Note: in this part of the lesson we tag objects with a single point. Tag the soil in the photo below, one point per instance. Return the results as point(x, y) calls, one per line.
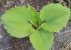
point(62, 39)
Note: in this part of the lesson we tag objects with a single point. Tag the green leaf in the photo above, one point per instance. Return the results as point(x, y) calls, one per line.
point(41, 40)
point(16, 22)
point(36, 19)
point(32, 9)
point(55, 17)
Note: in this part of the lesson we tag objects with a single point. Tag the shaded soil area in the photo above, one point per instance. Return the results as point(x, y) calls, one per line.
point(62, 39)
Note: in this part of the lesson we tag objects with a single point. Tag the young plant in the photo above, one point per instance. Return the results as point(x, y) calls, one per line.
point(39, 26)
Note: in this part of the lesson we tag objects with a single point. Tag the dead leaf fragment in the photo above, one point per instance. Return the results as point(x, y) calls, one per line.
point(22, 1)
point(0, 36)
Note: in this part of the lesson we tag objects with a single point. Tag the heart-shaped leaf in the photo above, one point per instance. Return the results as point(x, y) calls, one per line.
point(54, 17)
point(41, 40)
point(17, 21)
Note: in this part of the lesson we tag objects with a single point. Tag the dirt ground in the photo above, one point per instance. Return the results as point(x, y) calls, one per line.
point(62, 39)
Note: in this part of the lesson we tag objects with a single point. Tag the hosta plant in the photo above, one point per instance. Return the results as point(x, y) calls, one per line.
point(39, 26)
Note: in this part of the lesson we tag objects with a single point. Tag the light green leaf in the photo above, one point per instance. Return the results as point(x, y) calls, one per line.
point(32, 9)
point(36, 19)
point(16, 22)
point(55, 17)
point(41, 40)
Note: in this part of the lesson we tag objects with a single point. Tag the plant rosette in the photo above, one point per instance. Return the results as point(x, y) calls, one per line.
point(39, 26)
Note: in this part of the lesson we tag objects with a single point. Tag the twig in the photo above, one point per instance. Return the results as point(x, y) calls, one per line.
point(68, 46)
